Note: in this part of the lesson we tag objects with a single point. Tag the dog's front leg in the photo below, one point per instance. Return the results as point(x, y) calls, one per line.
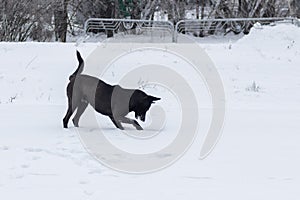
point(117, 123)
point(131, 121)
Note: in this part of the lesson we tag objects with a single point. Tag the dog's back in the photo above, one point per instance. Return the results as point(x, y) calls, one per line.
point(88, 88)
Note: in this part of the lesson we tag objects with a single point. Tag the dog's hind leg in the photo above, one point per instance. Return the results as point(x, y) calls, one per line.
point(81, 108)
point(72, 106)
point(68, 115)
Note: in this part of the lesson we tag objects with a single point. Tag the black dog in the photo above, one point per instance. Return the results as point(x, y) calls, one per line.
point(112, 101)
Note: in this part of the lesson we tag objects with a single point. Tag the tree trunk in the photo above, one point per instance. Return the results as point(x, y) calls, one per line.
point(149, 8)
point(197, 9)
point(61, 20)
point(181, 10)
point(110, 13)
point(202, 9)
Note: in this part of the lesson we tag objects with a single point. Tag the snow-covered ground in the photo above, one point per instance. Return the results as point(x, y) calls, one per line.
point(257, 157)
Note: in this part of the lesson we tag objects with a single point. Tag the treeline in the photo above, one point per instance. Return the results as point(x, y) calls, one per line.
point(43, 20)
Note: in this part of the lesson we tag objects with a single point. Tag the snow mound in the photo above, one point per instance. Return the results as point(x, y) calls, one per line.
point(281, 35)
point(272, 44)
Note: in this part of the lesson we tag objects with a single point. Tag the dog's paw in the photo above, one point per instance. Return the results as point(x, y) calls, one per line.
point(139, 128)
point(121, 128)
point(76, 124)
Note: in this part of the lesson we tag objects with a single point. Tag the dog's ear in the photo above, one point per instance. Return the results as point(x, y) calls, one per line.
point(153, 99)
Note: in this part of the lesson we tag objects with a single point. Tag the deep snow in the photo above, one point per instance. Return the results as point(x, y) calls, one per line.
point(256, 158)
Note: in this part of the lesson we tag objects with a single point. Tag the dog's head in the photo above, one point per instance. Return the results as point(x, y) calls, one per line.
point(141, 103)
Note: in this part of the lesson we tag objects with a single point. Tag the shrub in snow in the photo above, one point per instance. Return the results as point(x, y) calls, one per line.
point(253, 88)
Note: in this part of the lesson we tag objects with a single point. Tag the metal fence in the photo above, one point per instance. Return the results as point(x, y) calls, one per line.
point(200, 28)
point(207, 27)
point(126, 25)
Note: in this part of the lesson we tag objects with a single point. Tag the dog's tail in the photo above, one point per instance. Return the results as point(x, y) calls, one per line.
point(80, 67)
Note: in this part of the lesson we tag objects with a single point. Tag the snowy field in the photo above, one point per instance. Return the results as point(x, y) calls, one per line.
point(257, 157)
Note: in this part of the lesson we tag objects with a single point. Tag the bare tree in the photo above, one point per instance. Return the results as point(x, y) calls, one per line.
point(20, 19)
point(60, 8)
